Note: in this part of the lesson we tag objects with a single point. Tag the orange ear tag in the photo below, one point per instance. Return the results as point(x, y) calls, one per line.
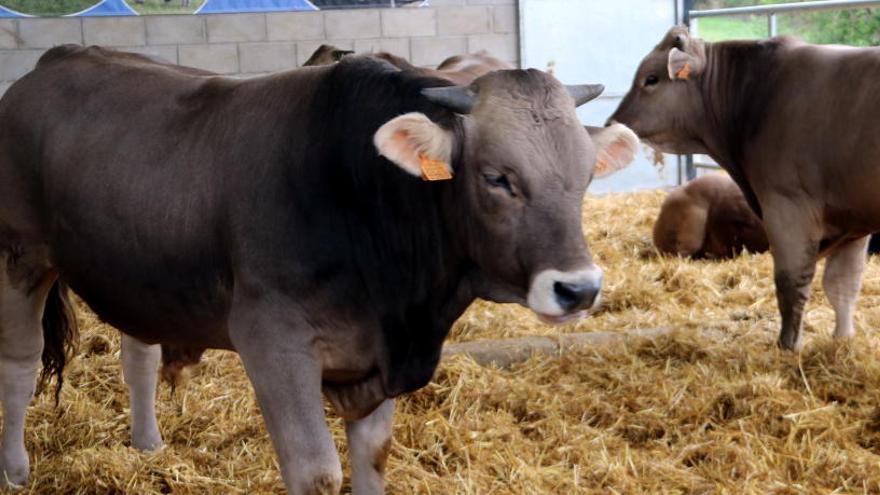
point(433, 169)
point(685, 71)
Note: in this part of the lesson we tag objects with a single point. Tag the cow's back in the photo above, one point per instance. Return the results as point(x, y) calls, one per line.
point(111, 158)
point(821, 132)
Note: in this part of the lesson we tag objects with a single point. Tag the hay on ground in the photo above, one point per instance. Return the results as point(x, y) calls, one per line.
point(711, 408)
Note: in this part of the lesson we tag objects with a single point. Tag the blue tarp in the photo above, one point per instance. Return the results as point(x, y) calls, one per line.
point(6, 13)
point(227, 6)
point(106, 8)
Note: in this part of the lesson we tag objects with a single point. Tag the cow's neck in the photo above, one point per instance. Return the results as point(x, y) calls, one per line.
point(384, 228)
point(737, 87)
point(417, 325)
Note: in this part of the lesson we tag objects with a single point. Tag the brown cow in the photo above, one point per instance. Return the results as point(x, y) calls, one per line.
point(462, 69)
point(459, 69)
point(284, 217)
point(708, 218)
point(796, 127)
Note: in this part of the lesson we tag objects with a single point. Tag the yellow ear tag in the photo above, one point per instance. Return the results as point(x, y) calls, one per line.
point(433, 169)
point(685, 71)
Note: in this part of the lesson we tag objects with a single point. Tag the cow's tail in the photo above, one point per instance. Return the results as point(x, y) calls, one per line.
point(59, 336)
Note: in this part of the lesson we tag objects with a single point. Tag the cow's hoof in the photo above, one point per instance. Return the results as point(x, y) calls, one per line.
point(327, 484)
point(844, 334)
point(14, 474)
point(789, 344)
point(323, 484)
point(147, 442)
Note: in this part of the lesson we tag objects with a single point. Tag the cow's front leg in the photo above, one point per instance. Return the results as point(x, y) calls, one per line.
point(794, 236)
point(369, 441)
point(284, 368)
point(140, 364)
point(842, 281)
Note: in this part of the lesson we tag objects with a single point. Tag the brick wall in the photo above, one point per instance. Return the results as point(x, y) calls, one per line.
point(258, 43)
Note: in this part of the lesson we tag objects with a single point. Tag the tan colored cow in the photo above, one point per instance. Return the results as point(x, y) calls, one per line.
point(796, 127)
point(708, 218)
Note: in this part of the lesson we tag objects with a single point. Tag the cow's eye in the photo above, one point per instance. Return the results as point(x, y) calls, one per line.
point(651, 80)
point(500, 181)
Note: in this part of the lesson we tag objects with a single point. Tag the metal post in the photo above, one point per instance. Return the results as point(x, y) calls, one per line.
point(689, 168)
point(693, 28)
point(771, 24)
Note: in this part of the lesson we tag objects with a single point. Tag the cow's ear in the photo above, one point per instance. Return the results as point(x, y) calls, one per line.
point(616, 147)
point(412, 140)
point(339, 54)
point(683, 65)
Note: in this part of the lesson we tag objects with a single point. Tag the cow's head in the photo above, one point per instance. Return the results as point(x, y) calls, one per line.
point(521, 166)
point(664, 106)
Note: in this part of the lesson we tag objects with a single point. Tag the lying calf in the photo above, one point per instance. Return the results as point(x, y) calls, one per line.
point(708, 218)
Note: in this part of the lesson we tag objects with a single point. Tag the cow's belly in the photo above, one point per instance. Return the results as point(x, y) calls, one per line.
point(194, 316)
point(148, 288)
point(144, 254)
point(852, 205)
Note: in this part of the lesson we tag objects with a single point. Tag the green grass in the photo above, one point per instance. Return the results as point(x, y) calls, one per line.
point(48, 7)
point(858, 27)
point(732, 28)
point(160, 7)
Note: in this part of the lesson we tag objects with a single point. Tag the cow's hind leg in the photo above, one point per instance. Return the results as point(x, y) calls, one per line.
point(369, 440)
point(140, 364)
point(25, 282)
point(842, 281)
point(794, 236)
point(279, 356)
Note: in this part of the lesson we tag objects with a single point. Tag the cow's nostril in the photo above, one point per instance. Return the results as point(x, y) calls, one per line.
point(570, 296)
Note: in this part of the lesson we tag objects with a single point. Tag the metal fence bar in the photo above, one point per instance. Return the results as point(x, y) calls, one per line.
point(770, 11)
point(785, 7)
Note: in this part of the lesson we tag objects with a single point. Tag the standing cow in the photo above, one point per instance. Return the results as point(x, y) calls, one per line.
point(282, 217)
point(796, 127)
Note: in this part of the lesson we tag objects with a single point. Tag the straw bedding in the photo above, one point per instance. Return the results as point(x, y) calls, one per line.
point(711, 408)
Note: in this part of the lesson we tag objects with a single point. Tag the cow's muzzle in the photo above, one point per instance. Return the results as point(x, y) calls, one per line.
point(557, 297)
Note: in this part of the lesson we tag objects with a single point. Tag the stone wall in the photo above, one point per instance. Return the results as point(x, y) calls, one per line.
point(246, 44)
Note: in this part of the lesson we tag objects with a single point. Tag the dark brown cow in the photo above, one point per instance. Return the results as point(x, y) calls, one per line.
point(796, 127)
point(708, 218)
point(283, 217)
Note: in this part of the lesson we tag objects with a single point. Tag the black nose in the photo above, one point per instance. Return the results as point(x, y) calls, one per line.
point(572, 296)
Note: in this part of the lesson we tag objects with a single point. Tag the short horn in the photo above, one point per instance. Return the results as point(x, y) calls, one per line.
point(459, 99)
point(583, 93)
